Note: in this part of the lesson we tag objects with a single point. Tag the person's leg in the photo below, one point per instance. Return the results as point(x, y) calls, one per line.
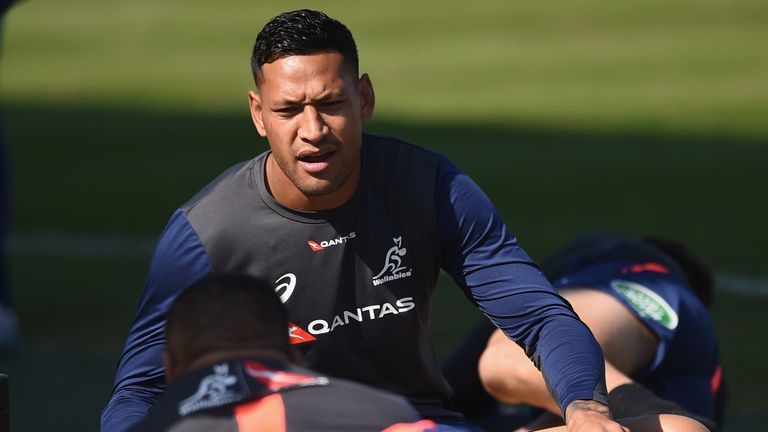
point(629, 345)
point(510, 376)
point(654, 423)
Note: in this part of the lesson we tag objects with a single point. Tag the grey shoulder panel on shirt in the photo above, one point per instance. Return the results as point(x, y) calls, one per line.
point(223, 180)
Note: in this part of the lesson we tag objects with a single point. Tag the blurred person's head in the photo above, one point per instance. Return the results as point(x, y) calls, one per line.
point(592, 247)
point(310, 104)
point(698, 272)
point(224, 316)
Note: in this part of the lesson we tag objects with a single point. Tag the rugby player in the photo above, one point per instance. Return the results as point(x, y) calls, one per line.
point(646, 302)
point(390, 215)
point(229, 367)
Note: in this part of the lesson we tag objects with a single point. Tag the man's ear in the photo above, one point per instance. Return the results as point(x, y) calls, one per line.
point(254, 102)
point(367, 97)
point(170, 372)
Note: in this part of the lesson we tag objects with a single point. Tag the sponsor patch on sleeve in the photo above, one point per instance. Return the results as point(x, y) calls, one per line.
point(647, 303)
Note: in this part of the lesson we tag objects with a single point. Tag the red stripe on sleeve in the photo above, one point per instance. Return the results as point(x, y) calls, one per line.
point(717, 379)
point(421, 426)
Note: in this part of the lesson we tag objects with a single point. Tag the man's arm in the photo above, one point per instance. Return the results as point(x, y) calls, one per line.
point(179, 260)
point(508, 287)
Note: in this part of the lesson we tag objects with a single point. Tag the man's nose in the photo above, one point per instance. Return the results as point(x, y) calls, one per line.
point(313, 127)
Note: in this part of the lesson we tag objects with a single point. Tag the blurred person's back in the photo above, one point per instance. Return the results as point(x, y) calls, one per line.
point(230, 368)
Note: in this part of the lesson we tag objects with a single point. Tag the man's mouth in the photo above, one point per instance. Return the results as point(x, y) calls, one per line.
point(315, 161)
point(316, 157)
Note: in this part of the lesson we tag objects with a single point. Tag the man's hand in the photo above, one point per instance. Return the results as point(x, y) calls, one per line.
point(590, 416)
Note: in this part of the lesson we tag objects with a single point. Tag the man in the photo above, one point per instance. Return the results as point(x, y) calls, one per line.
point(646, 302)
point(229, 369)
point(353, 230)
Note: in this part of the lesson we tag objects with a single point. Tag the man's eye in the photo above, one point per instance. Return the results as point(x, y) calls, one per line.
point(331, 104)
point(287, 110)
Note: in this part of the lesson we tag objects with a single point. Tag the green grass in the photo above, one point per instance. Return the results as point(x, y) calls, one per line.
point(77, 303)
point(739, 324)
point(572, 116)
point(682, 67)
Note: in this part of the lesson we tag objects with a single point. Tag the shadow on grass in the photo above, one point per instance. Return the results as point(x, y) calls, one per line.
point(91, 171)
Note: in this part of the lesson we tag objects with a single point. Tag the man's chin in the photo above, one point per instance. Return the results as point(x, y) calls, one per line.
point(318, 188)
point(325, 186)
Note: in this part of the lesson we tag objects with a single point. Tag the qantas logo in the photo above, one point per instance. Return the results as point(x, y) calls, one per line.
point(296, 335)
point(314, 245)
point(393, 264)
point(317, 247)
point(371, 312)
point(285, 289)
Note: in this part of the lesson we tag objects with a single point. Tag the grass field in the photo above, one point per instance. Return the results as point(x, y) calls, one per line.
point(573, 116)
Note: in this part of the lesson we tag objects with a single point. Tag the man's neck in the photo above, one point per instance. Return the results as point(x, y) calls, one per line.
point(287, 194)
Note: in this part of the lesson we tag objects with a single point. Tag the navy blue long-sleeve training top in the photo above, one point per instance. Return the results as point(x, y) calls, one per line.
point(357, 280)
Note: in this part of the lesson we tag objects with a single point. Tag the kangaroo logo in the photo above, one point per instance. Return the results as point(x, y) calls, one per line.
point(214, 390)
point(393, 264)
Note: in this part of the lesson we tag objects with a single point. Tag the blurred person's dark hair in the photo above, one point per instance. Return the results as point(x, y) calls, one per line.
point(302, 32)
point(225, 312)
point(698, 272)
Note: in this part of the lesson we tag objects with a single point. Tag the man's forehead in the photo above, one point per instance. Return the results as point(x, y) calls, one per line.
point(304, 72)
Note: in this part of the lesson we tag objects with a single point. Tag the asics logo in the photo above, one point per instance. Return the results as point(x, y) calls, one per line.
point(285, 289)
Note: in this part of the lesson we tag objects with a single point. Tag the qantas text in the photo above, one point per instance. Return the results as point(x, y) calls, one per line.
point(361, 314)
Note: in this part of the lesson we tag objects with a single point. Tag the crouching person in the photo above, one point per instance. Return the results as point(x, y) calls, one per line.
point(230, 368)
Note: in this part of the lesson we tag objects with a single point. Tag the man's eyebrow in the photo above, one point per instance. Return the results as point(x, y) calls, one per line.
point(331, 95)
point(288, 101)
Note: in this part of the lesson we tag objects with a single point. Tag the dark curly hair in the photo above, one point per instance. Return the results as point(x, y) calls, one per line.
point(225, 312)
point(302, 32)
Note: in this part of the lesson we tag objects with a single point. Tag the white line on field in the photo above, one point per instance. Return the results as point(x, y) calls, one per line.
point(139, 247)
point(747, 286)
